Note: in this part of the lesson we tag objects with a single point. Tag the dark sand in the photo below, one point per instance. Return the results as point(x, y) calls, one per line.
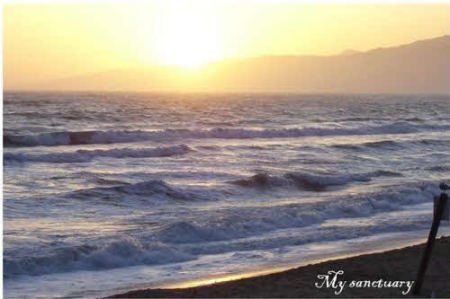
point(399, 264)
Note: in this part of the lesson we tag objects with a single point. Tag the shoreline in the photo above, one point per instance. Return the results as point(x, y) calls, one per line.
point(392, 265)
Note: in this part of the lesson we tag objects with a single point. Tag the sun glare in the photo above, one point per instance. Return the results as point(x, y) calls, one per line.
point(187, 40)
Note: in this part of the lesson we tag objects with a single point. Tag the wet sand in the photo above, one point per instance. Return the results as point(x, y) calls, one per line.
point(395, 265)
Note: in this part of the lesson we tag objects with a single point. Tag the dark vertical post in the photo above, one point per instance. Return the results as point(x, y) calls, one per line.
point(431, 237)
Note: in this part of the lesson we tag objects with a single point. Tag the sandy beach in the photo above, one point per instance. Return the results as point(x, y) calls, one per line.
point(390, 266)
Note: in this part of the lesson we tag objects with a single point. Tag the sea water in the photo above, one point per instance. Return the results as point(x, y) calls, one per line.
point(108, 192)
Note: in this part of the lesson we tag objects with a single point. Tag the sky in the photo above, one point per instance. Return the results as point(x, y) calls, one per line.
point(50, 41)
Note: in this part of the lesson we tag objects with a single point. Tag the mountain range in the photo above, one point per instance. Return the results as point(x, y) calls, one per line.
point(419, 67)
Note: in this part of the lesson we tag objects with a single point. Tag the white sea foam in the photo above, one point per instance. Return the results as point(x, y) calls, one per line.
point(237, 229)
point(124, 252)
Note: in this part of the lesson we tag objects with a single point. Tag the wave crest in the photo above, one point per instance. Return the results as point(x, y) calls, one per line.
point(309, 182)
point(153, 189)
point(107, 137)
point(121, 253)
point(88, 155)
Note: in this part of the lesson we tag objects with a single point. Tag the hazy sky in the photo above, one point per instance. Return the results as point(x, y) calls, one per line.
point(47, 41)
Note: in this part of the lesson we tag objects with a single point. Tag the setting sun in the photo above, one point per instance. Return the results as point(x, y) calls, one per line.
point(173, 37)
point(186, 39)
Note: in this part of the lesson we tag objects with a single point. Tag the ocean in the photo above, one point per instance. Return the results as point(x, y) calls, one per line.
point(108, 192)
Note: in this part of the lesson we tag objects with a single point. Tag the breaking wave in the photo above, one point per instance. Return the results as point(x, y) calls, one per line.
point(245, 222)
point(121, 253)
point(309, 182)
point(392, 144)
point(153, 189)
point(88, 155)
point(238, 229)
point(107, 137)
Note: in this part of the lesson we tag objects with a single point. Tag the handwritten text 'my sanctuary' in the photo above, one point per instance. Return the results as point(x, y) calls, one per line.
point(333, 281)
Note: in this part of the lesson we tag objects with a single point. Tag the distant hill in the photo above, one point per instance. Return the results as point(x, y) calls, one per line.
point(419, 67)
point(349, 52)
